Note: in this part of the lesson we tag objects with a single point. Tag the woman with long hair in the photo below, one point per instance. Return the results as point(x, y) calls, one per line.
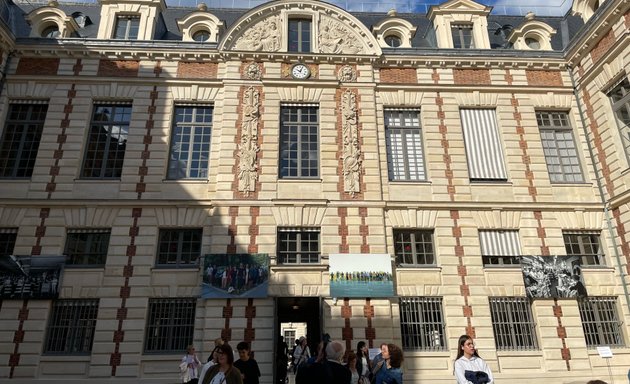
point(390, 371)
point(469, 367)
point(224, 372)
point(352, 366)
point(363, 363)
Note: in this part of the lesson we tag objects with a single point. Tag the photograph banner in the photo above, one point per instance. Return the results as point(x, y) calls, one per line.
point(361, 275)
point(242, 275)
point(548, 277)
point(30, 277)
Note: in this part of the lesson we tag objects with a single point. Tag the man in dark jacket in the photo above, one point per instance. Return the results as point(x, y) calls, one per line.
point(329, 371)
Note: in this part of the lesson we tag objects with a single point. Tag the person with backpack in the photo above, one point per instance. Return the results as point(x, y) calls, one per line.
point(301, 353)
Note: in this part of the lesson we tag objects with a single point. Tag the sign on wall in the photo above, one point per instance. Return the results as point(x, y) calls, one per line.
point(548, 277)
point(361, 275)
point(235, 276)
point(30, 277)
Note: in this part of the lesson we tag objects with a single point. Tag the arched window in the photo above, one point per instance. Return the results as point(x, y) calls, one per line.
point(201, 36)
point(51, 32)
point(393, 41)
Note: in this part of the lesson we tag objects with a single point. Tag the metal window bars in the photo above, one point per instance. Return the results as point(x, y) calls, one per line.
point(170, 324)
point(513, 324)
point(600, 321)
point(71, 327)
point(422, 323)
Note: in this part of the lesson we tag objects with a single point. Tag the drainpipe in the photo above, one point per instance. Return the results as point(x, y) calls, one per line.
point(607, 215)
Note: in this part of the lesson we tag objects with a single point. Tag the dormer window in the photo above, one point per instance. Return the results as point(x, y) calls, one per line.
point(393, 41)
point(461, 24)
point(127, 27)
point(462, 35)
point(532, 43)
point(585, 8)
point(201, 36)
point(393, 31)
point(51, 32)
point(51, 22)
point(299, 35)
point(532, 34)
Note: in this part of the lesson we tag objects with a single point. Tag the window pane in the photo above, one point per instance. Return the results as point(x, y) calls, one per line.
point(71, 327)
point(20, 139)
point(586, 245)
point(414, 247)
point(405, 155)
point(559, 147)
point(620, 98)
point(500, 247)
point(422, 323)
point(179, 247)
point(87, 247)
point(170, 325)
point(298, 245)
point(299, 142)
point(190, 143)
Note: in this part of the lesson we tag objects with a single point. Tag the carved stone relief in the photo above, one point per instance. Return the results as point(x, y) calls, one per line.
point(351, 152)
point(253, 72)
point(248, 149)
point(264, 36)
point(335, 37)
point(347, 74)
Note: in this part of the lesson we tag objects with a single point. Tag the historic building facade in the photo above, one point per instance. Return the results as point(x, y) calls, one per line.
point(137, 138)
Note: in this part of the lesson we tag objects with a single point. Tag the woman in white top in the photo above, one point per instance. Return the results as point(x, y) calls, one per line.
point(190, 366)
point(301, 352)
point(468, 360)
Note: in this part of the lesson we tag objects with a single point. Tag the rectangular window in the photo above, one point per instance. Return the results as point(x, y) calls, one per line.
point(299, 35)
point(179, 247)
point(462, 36)
point(298, 245)
point(513, 324)
point(422, 323)
point(414, 247)
point(620, 98)
point(107, 141)
point(561, 155)
point(500, 247)
point(71, 327)
point(600, 321)
point(87, 247)
point(190, 143)
point(299, 142)
point(127, 27)
point(20, 139)
point(405, 156)
point(170, 325)
point(7, 241)
point(484, 150)
point(584, 244)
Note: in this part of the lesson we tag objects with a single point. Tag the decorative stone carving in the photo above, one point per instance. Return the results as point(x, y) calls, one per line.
point(347, 74)
point(337, 38)
point(263, 36)
point(351, 152)
point(248, 149)
point(253, 72)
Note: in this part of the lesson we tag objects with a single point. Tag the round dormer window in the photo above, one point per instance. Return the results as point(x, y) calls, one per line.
point(201, 36)
point(532, 43)
point(393, 41)
point(51, 32)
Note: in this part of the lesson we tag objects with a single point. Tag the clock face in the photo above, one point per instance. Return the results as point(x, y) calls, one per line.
point(300, 71)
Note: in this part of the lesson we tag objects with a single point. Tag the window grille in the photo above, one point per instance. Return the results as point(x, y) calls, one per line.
point(298, 245)
point(87, 246)
point(405, 155)
point(170, 325)
point(620, 99)
point(513, 324)
point(414, 247)
point(600, 321)
point(20, 139)
point(299, 35)
point(500, 248)
point(299, 142)
point(179, 247)
point(462, 36)
point(558, 144)
point(587, 245)
point(71, 327)
point(484, 149)
point(127, 27)
point(190, 142)
point(7, 240)
point(422, 323)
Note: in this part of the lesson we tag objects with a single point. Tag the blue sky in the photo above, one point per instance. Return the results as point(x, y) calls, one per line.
point(501, 7)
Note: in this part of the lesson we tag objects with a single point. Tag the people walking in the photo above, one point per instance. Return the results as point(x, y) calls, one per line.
point(301, 353)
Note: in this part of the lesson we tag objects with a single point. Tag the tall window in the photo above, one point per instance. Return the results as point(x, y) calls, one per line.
point(299, 142)
point(127, 27)
point(298, 245)
point(405, 156)
point(563, 164)
point(513, 324)
point(500, 247)
point(422, 323)
point(587, 245)
point(87, 247)
point(462, 35)
point(190, 142)
point(20, 139)
point(299, 35)
point(484, 150)
point(600, 321)
point(71, 327)
point(414, 247)
point(179, 247)
point(170, 325)
point(107, 141)
point(620, 98)
point(7, 240)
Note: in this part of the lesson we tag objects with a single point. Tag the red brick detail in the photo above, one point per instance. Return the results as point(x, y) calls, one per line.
point(435, 76)
point(370, 332)
point(40, 231)
point(522, 143)
point(603, 46)
point(462, 270)
point(76, 69)
point(228, 312)
point(141, 186)
point(468, 312)
point(542, 234)
point(448, 172)
point(237, 139)
point(254, 230)
point(399, 75)
point(471, 77)
point(342, 212)
point(621, 232)
point(18, 338)
point(562, 334)
point(346, 332)
point(118, 68)
point(364, 230)
point(508, 77)
point(250, 315)
point(119, 336)
point(193, 70)
point(464, 289)
point(544, 78)
point(285, 70)
point(627, 17)
point(37, 66)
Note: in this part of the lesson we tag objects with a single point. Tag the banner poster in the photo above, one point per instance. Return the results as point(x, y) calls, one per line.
point(548, 277)
point(30, 277)
point(361, 275)
point(244, 275)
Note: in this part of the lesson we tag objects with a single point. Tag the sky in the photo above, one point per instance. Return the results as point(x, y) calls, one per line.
point(500, 7)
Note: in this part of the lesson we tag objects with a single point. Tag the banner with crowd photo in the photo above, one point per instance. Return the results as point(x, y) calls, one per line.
point(244, 275)
point(557, 277)
point(30, 277)
point(361, 275)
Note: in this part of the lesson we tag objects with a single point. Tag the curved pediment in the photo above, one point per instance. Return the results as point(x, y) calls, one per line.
point(331, 29)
